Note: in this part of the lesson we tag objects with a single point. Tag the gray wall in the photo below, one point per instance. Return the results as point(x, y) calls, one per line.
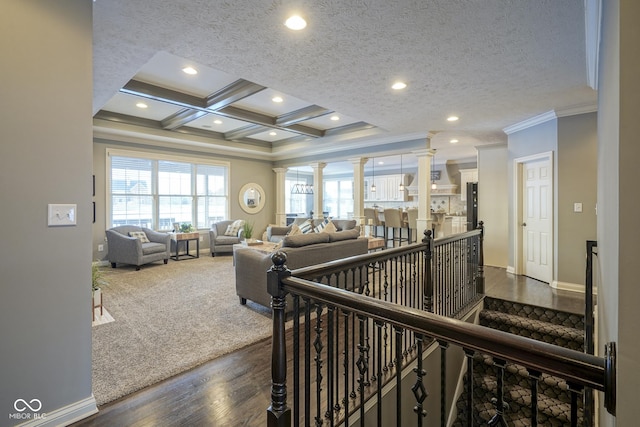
point(45, 157)
point(493, 207)
point(577, 183)
point(242, 171)
point(618, 203)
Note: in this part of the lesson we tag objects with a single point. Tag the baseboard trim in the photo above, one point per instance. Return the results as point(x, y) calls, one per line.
point(572, 287)
point(66, 415)
point(511, 270)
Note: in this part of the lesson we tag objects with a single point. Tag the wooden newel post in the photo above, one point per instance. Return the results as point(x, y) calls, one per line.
point(427, 289)
point(480, 277)
point(278, 413)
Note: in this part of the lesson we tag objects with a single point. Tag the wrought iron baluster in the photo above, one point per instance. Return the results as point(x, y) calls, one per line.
point(330, 369)
point(318, 346)
point(399, 333)
point(535, 379)
point(363, 365)
point(469, 356)
point(346, 367)
point(443, 382)
point(307, 360)
point(418, 389)
point(498, 418)
point(574, 390)
point(379, 326)
point(296, 360)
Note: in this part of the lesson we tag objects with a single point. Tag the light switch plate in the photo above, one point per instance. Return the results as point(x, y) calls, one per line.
point(60, 215)
point(577, 207)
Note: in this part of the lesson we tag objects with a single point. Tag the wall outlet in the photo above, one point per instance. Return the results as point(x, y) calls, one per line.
point(100, 248)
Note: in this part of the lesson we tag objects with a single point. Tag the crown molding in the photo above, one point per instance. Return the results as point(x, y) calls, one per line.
point(551, 115)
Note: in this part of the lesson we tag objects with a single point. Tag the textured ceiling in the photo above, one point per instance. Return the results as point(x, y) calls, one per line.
point(493, 63)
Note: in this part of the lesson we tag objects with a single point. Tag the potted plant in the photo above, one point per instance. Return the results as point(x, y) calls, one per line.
point(97, 281)
point(247, 230)
point(185, 227)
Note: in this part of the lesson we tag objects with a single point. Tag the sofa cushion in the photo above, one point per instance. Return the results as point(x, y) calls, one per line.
point(330, 228)
point(321, 225)
point(304, 240)
point(343, 235)
point(234, 227)
point(141, 235)
point(295, 230)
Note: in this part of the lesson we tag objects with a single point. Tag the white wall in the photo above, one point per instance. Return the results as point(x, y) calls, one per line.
point(45, 157)
point(493, 207)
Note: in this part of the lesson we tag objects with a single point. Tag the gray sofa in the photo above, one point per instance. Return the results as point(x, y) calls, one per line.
point(130, 250)
point(276, 233)
point(302, 250)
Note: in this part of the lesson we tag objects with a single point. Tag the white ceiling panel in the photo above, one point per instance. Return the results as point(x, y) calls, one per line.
point(124, 103)
point(262, 102)
point(209, 122)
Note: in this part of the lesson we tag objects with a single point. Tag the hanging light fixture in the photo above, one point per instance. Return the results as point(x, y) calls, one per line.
point(433, 165)
point(373, 186)
point(401, 187)
point(299, 188)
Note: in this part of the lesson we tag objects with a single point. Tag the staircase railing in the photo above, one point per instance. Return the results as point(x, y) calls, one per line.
point(362, 320)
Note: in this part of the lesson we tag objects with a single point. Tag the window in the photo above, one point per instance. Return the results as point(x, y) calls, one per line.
point(155, 192)
point(338, 198)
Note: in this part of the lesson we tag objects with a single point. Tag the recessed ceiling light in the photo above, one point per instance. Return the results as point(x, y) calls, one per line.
point(381, 162)
point(335, 118)
point(272, 133)
point(141, 105)
point(453, 141)
point(277, 99)
point(453, 118)
point(217, 122)
point(398, 85)
point(190, 70)
point(295, 22)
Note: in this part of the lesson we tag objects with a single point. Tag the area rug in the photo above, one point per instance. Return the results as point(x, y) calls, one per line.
point(168, 319)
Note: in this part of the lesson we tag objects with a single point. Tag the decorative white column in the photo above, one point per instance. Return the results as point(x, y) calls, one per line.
point(358, 189)
point(318, 199)
point(424, 189)
point(281, 215)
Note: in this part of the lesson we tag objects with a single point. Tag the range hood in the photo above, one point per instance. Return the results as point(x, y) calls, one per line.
point(444, 185)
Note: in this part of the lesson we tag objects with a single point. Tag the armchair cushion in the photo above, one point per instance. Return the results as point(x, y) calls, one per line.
point(139, 235)
point(219, 240)
point(234, 227)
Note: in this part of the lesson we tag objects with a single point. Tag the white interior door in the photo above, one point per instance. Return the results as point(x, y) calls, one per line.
point(537, 219)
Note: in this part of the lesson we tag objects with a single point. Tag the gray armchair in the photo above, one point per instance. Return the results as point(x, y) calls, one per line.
point(130, 250)
point(221, 243)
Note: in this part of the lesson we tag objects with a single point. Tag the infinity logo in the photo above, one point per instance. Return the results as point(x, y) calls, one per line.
point(21, 405)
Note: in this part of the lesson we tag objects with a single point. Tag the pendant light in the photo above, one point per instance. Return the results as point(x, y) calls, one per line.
point(373, 186)
point(301, 188)
point(433, 165)
point(401, 187)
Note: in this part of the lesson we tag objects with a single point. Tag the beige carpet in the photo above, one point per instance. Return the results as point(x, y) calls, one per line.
point(168, 319)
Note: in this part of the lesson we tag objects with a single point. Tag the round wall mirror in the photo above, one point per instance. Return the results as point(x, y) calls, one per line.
point(251, 198)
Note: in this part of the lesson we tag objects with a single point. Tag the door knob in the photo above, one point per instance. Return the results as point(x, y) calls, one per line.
point(524, 224)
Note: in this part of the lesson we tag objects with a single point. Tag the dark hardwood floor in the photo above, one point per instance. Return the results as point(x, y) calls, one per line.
point(234, 390)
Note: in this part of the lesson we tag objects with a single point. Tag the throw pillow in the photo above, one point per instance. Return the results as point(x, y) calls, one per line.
point(295, 230)
point(307, 227)
point(232, 230)
point(321, 226)
point(330, 228)
point(141, 235)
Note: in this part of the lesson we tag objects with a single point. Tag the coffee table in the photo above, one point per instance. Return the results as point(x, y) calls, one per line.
point(264, 247)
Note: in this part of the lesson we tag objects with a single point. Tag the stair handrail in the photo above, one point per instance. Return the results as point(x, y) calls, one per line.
point(576, 367)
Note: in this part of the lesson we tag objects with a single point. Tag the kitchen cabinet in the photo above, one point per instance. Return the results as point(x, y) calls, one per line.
point(387, 189)
point(458, 224)
point(467, 175)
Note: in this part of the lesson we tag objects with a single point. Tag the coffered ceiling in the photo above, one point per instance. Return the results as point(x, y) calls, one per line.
point(492, 63)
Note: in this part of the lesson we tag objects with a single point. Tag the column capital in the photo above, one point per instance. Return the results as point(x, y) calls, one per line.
point(280, 170)
point(359, 161)
point(318, 165)
point(426, 152)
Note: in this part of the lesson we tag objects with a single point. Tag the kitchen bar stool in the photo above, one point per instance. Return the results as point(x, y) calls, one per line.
point(394, 225)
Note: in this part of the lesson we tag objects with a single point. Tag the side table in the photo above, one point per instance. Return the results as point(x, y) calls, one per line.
point(176, 238)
